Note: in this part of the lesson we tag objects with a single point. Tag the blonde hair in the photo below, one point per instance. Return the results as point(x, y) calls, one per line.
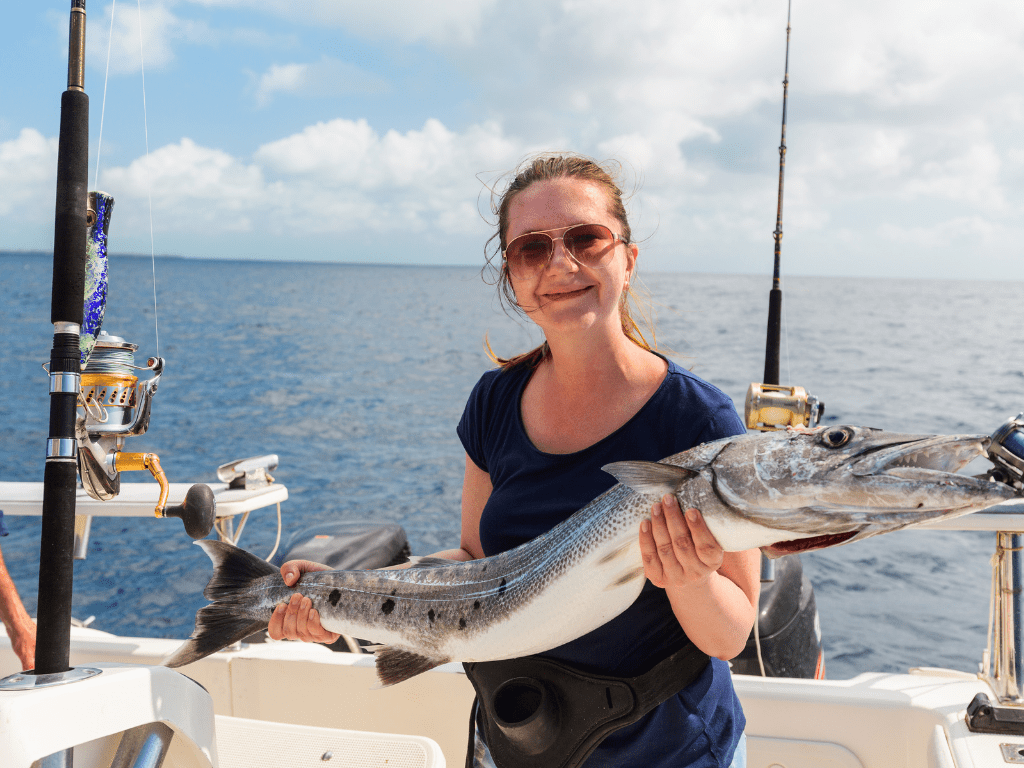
point(546, 167)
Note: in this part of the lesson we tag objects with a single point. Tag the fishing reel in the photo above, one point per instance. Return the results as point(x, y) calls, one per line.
point(771, 407)
point(114, 405)
point(1006, 452)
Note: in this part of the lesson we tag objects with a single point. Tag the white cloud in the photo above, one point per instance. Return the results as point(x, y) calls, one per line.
point(28, 176)
point(331, 178)
point(158, 28)
point(326, 78)
point(902, 120)
point(424, 178)
point(192, 184)
point(973, 228)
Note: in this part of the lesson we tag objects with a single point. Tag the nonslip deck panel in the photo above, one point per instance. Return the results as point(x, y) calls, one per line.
point(243, 743)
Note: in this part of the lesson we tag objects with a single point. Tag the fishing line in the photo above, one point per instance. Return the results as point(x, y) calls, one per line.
point(785, 334)
point(103, 106)
point(757, 643)
point(149, 184)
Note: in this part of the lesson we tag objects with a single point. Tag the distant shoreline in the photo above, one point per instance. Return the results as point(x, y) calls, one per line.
point(4, 253)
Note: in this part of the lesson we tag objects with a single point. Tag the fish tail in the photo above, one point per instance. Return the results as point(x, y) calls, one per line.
point(227, 619)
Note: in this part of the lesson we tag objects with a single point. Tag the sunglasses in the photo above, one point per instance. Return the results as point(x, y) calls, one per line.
point(588, 245)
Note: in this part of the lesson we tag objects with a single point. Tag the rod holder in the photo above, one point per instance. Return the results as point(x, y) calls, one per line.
point(1006, 675)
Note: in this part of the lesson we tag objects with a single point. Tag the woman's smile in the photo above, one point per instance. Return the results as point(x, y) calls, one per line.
point(571, 293)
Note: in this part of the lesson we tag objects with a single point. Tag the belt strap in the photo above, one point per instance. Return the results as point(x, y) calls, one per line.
point(537, 712)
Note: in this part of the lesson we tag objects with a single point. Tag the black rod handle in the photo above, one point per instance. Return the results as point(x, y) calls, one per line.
point(69, 227)
point(771, 355)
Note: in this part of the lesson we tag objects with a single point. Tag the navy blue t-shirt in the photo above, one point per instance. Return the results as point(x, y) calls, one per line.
point(534, 491)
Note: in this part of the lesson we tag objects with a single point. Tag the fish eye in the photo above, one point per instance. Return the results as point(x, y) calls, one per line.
point(836, 438)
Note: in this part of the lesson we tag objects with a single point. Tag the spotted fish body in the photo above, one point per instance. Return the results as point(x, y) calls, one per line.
point(782, 492)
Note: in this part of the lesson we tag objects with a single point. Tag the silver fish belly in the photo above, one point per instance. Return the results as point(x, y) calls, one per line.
point(782, 492)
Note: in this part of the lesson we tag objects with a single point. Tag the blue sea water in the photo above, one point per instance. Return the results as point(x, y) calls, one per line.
point(357, 375)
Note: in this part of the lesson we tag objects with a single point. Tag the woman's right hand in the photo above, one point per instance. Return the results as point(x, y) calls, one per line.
point(297, 619)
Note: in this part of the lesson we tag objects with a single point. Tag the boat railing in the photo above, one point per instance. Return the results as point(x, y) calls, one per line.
point(1003, 662)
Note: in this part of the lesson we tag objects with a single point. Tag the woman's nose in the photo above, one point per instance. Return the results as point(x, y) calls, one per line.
point(561, 260)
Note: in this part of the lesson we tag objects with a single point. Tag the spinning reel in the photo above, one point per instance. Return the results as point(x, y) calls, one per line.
point(114, 405)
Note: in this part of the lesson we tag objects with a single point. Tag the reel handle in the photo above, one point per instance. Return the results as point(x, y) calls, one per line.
point(197, 512)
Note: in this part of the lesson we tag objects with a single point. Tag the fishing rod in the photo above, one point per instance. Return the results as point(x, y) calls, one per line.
point(53, 636)
point(92, 370)
point(770, 406)
point(771, 355)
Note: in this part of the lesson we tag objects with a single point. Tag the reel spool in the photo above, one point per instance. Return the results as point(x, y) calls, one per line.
point(770, 407)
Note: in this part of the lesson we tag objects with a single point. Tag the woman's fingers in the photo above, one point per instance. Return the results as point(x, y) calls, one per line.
point(673, 538)
point(705, 544)
point(297, 619)
point(649, 552)
point(292, 571)
point(677, 548)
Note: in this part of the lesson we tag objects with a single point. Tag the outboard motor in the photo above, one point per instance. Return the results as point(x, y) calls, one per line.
point(788, 627)
point(347, 545)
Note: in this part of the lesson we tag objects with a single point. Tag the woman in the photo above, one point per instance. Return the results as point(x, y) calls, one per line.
point(537, 432)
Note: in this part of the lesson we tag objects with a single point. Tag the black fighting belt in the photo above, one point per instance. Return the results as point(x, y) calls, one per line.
point(546, 714)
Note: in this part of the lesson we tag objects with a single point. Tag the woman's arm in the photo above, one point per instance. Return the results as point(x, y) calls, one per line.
point(20, 628)
point(297, 620)
point(714, 594)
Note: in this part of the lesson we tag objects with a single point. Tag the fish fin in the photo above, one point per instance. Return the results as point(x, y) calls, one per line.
point(217, 627)
point(223, 621)
point(395, 665)
point(649, 478)
point(431, 562)
point(233, 569)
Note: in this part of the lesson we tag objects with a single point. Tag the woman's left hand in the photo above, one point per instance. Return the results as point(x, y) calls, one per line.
point(298, 619)
point(678, 550)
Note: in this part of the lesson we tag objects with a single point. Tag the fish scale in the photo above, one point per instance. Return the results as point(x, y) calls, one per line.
point(783, 492)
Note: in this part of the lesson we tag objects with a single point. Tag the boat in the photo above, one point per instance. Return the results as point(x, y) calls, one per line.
point(250, 704)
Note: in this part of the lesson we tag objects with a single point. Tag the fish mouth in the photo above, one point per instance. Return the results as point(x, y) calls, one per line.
point(918, 475)
point(921, 458)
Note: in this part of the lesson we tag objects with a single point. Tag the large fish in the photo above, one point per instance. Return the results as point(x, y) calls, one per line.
point(782, 491)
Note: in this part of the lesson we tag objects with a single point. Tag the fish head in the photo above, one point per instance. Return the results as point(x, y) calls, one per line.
point(845, 482)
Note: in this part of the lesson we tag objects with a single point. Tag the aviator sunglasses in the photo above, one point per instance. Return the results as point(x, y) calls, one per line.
point(588, 245)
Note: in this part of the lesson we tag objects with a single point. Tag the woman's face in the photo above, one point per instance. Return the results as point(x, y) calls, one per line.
point(565, 295)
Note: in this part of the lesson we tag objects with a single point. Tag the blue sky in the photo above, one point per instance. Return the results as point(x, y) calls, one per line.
point(371, 132)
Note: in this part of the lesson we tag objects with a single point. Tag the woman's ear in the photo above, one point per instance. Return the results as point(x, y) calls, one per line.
point(632, 252)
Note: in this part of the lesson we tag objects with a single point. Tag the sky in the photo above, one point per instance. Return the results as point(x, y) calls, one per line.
point(330, 130)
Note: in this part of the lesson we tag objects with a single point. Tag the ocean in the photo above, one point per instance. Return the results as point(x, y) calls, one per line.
point(356, 375)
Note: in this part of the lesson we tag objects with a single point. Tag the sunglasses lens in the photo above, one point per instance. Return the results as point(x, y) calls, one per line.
point(588, 243)
point(528, 253)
